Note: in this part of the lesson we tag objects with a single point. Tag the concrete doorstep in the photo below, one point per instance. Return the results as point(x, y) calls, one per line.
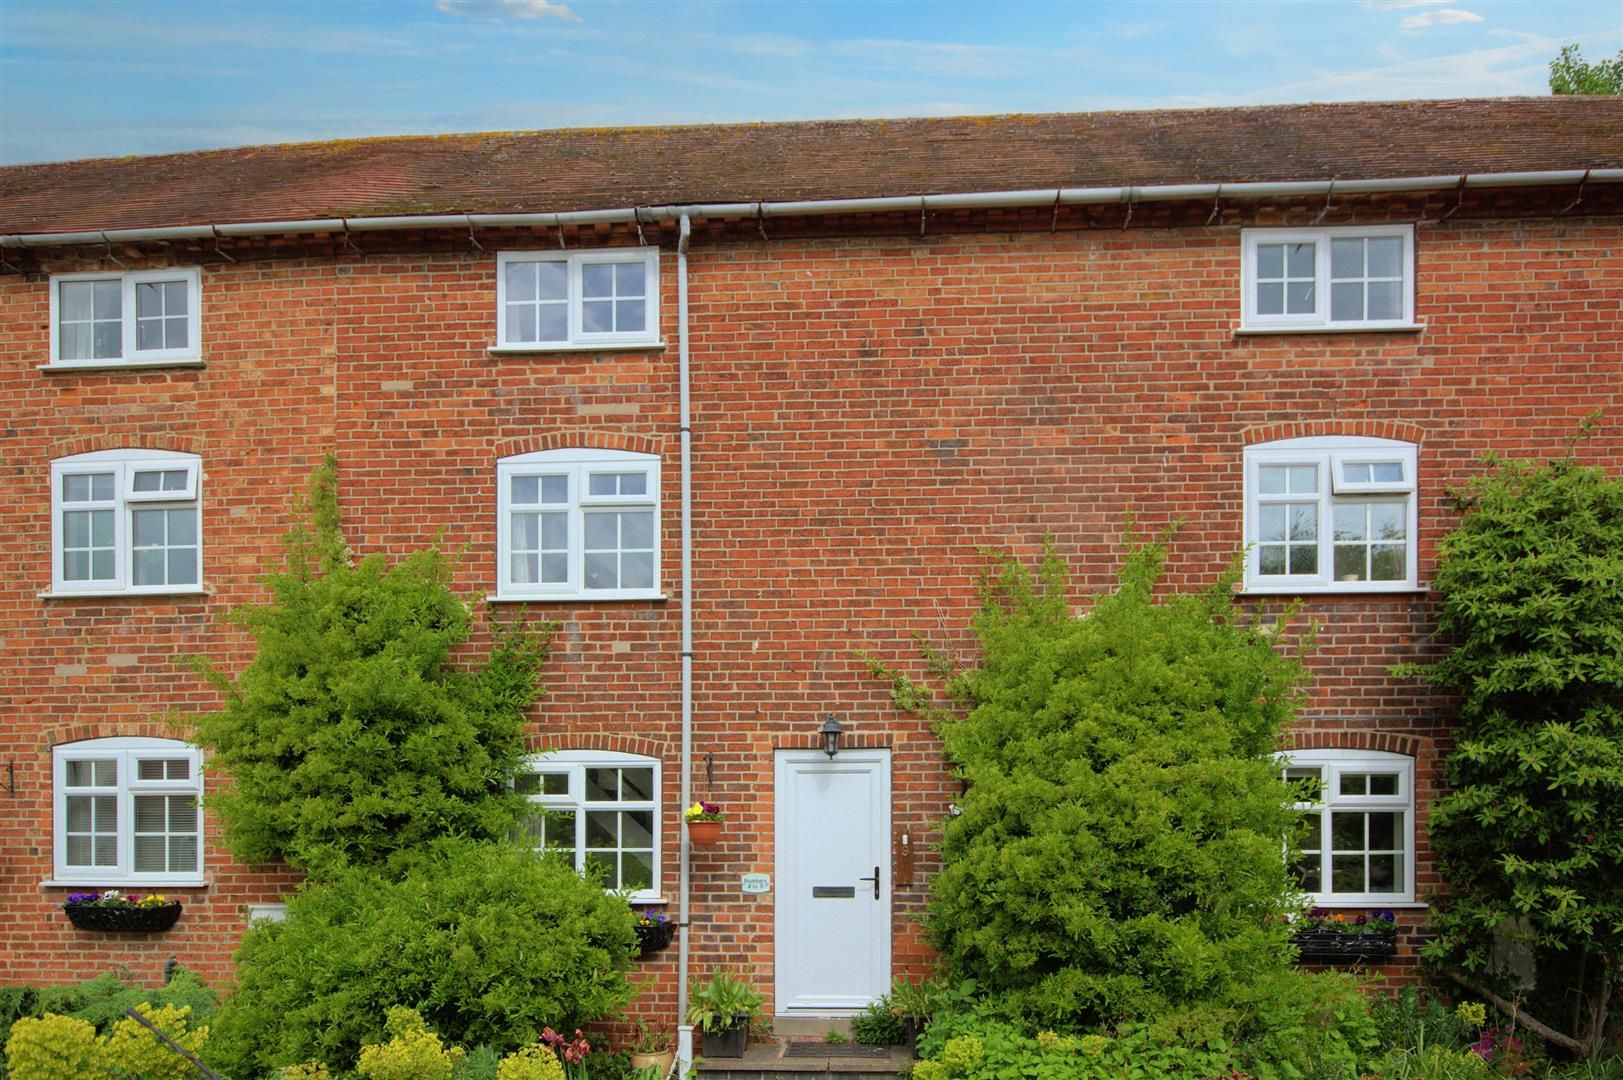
point(793, 1059)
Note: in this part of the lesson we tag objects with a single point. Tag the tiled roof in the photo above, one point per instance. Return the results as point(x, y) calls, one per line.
point(585, 169)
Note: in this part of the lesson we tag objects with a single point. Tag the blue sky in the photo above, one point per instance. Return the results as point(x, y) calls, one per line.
point(85, 78)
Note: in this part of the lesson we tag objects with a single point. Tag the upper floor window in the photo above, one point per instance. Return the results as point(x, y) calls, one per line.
point(126, 521)
point(600, 810)
point(554, 300)
point(578, 524)
point(1356, 844)
point(1333, 514)
point(1328, 279)
point(126, 812)
point(146, 316)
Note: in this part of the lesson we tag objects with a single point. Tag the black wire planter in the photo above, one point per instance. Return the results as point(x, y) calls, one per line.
point(1335, 947)
point(653, 938)
point(153, 919)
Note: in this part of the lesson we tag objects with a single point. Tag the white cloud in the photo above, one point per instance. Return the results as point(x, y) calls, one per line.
point(1441, 17)
point(501, 9)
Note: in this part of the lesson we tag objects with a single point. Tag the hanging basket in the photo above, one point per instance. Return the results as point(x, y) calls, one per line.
point(704, 833)
point(1333, 947)
point(653, 938)
point(123, 920)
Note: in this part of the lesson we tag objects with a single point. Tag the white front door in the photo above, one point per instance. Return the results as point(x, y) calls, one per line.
point(833, 881)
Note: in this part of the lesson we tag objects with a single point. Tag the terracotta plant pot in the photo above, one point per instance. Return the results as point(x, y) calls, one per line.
point(704, 833)
point(662, 1061)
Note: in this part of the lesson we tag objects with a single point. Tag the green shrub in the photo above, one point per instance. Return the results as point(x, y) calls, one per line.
point(106, 999)
point(488, 942)
point(979, 1047)
point(1412, 1020)
point(353, 737)
point(531, 1063)
point(412, 1052)
point(1118, 851)
point(480, 1064)
point(876, 1025)
point(1295, 1025)
point(307, 1070)
point(53, 1047)
point(131, 1050)
point(16, 1002)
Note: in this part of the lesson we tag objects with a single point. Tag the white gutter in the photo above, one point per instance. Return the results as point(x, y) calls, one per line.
point(973, 200)
point(684, 1030)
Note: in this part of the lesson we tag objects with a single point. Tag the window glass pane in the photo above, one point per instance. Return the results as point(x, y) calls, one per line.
point(1383, 873)
point(1347, 873)
point(554, 532)
point(1304, 559)
point(602, 785)
point(637, 570)
point(76, 529)
point(554, 569)
point(1271, 522)
point(175, 298)
point(78, 813)
point(526, 532)
point(1304, 521)
point(148, 299)
point(555, 489)
point(80, 851)
point(1299, 298)
point(1355, 473)
point(149, 528)
point(1307, 872)
point(628, 279)
point(525, 491)
point(521, 323)
point(174, 333)
point(101, 529)
point(75, 341)
point(637, 829)
point(107, 341)
point(1349, 521)
point(1347, 301)
point(1270, 298)
point(101, 565)
point(1385, 256)
point(1304, 479)
point(149, 567)
point(602, 531)
point(101, 488)
point(1350, 562)
point(1383, 832)
point(182, 566)
point(637, 870)
point(1388, 562)
point(76, 566)
point(1300, 258)
point(597, 316)
point(634, 483)
point(1387, 521)
point(1346, 258)
point(161, 769)
point(1387, 472)
point(108, 302)
point(527, 783)
point(182, 854)
point(1271, 560)
point(524, 569)
point(521, 282)
point(552, 280)
point(1308, 783)
point(637, 530)
point(602, 484)
point(630, 315)
point(1383, 783)
point(1347, 831)
point(601, 828)
point(150, 855)
point(1354, 784)
point(73, 301)
point(1271, 260)
point(149, 334)
point(552, 323)
point(1385, 300)
point(637, 784)
point(602, 571)
point(596, 279)
point(75, 488)
point(92, 773)
point(151, 814)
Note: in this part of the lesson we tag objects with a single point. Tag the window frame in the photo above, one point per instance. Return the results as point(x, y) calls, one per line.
point(1330, 455)
point(1333, 763)
point(574, 764)
point(126, 750)
point(576, 337)
point(126, 501)
point(129, 354)
point(578, 464)
point(1320, 318)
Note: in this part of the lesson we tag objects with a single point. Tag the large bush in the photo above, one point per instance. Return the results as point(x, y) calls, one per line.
point(1530, 840)
point(489, 942)
point(1119, 851)
point(353, 736)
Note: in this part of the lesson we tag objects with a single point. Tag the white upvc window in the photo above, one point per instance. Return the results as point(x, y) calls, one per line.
point(557, 300)
point(600, 810)
point(1333, 514)
point(577, 524)
point(126, 521)
point(1328, 279)
point(1356, 842)
point(134, 318)
point(126, 812)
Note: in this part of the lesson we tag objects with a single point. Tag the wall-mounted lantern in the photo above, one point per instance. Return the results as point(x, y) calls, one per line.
point(831, 731)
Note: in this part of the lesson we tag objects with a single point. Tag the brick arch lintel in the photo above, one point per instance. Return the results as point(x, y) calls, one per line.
point(641, 745)
point(83, 730)
point(579, 439)
point(135, 440)
point(1353, 426)
point(1345, 739)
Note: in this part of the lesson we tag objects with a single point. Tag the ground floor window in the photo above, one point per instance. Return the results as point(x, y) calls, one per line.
point(600, 809)
point(1356, 844)
point(126, 812)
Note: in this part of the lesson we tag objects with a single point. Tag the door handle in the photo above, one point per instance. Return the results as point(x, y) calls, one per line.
point(875, 880)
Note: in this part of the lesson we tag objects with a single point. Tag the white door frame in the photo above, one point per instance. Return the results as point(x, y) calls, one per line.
point(849, 861)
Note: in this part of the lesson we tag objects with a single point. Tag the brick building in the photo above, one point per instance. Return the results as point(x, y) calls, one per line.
point(891, 343)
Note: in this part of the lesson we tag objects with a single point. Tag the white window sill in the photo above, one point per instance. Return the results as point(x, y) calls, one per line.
point(1364, 905)
point(121, 365)
point(1333, 590)
point(90, 594)
point(576, 347)
point(1341, 328)
point(103, 884)
point(576, 598)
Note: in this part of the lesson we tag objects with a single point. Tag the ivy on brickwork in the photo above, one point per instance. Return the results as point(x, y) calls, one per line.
point(359, 732)
point(1530, 839)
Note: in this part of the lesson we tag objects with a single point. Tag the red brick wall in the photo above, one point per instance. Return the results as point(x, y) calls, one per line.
point(869, 412)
